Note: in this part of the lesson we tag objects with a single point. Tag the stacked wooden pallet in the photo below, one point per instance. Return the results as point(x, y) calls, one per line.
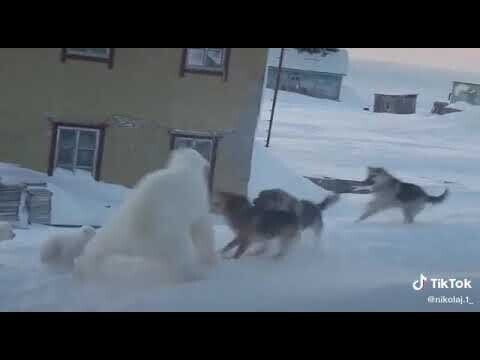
point(39, 204)
point(30, 200)
point(10, 202)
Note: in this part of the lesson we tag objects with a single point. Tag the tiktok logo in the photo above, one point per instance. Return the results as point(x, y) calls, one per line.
point(419, 284)
point(441, 283)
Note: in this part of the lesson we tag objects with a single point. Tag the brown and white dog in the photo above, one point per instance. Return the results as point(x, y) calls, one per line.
point(251, 224)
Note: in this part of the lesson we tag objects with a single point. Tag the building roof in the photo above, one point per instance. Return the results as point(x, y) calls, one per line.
point(396, 93)
point(334, 62)
point(466, 83)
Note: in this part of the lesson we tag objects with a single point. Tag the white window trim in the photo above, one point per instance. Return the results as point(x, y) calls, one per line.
point(217, 69)
point(196, 138)
point(69, 51)
point(77, 136)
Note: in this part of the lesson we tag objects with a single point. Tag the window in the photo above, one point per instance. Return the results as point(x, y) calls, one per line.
point(104, 55)
point(77, 148)
point(204, 144)
point(101, 53)
point(212, 61)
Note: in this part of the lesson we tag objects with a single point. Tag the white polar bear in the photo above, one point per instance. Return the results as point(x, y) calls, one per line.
point(6, 231)
point(63, 248)
point(164, 224)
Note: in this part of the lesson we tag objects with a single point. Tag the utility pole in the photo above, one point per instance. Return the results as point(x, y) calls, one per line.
point(272, 112)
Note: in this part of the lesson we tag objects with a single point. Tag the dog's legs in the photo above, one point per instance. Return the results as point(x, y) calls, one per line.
point(231, 245)
point(317, 229)
point(410, 211)
point(407, 215)
point(372, 209)
point(261, 250)
point(244, 244)
point(286, 243)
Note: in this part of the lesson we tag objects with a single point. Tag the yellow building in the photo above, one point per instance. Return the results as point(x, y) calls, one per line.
point(117, 113)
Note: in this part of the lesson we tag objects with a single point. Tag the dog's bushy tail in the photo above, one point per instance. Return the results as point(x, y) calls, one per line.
point(438, 199)
point(328, 201)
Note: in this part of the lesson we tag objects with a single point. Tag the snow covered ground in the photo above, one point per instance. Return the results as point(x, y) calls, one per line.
point(364, 267)
point(73, 194)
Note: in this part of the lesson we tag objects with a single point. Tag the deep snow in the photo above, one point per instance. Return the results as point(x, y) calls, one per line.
point(367, 266)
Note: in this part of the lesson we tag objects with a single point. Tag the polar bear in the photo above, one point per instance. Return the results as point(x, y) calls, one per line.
point(6, 231)
point(63, 248)
point(164, 224)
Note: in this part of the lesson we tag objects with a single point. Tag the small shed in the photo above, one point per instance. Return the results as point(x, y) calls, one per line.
point(308, 74)
point(464, 91)
point(395, 103)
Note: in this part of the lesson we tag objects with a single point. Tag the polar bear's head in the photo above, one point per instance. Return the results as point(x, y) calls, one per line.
point(189, 158)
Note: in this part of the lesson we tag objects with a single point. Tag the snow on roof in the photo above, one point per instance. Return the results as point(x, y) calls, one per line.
point(466, 83)
point(334, 62)
point(396, 92)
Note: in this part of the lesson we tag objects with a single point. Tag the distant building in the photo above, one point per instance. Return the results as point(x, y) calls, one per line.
point(395, 103)
point(467, 92)
point(309, 74)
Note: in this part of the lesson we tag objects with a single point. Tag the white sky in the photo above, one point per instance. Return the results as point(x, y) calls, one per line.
point(460, 59)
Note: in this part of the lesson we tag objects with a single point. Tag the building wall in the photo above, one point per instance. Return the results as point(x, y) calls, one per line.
point(395, 104)
point(316, 84)
point(144, 84)
point(467, 92)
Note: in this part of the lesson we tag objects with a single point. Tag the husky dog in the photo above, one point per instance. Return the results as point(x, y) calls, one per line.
point(309, 213)
point(253, 224)
point(277, 199)
point(390, 192)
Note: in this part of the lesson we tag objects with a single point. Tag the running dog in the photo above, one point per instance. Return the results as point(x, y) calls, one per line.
point(251, 223)
point(390, 192)
point(309, 213)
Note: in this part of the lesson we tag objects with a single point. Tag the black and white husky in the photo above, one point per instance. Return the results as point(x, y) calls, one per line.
point(390, 192)
point(309, 213)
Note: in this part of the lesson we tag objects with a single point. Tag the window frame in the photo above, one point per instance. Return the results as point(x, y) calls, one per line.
point(223, 72)
point(98, 152)
point(213, 155)
point(196, 138)
point(107, 60)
